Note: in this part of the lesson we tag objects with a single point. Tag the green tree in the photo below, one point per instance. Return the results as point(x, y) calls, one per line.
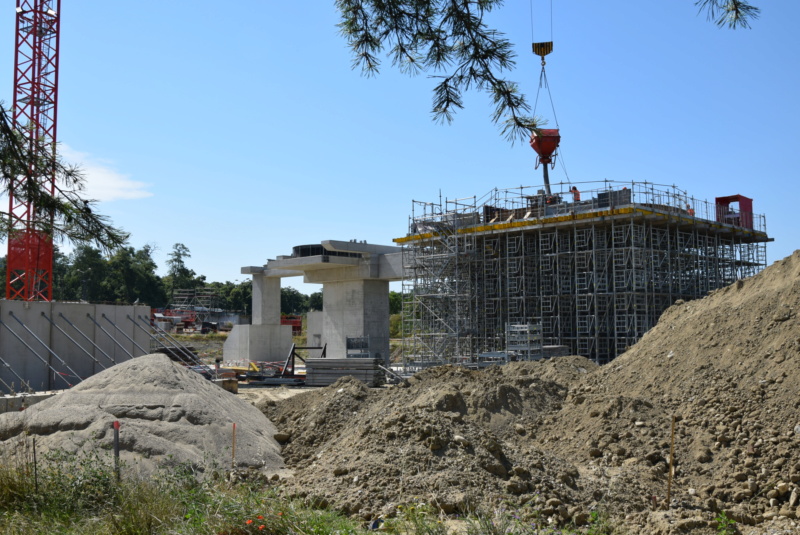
point(395, 325)
point(395, 302)
point(132, 278)
point(60, 268)
point(233, 296)
point(223, 290)
point(315, 301)
point(83, 280)
point(149, 286)
point(451, 41)
point(293, 302)
point(179, 276)
point(241, 296)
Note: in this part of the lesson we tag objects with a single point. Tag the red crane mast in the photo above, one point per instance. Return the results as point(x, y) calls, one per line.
point(29, 264)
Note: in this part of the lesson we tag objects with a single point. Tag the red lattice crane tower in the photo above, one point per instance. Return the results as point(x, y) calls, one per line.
point(29, 264)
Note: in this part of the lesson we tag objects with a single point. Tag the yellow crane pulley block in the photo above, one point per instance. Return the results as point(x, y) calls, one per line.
point(542, 49)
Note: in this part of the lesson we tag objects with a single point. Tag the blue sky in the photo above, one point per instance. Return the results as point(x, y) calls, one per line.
point(240, 130)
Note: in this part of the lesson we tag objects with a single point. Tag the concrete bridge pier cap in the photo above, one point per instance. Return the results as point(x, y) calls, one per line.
point(355, 280)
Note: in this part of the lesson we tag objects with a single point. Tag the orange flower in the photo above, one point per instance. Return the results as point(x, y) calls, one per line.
point(260, 517)
point(280, 514)
point(262, 526)
point(249, 521)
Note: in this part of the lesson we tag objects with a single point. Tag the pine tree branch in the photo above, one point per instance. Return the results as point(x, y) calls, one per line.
point(731, 13)
point(64, 213)
point(449, 40)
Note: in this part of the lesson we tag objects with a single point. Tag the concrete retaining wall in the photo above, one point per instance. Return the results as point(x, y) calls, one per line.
point(20, 402)
point(33, 353)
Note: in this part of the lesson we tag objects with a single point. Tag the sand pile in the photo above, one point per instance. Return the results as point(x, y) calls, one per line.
point(167, 414)
point(565, 437)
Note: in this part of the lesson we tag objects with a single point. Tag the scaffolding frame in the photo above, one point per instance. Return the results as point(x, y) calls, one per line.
point(195, 303)
point(594, 274)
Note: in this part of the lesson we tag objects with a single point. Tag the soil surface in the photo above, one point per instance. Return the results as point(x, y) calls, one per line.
point(564, 437)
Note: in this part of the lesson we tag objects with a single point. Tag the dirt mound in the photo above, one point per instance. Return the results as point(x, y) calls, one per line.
point(457, 438)
point(565, 437)
point(728, 367)
point(167, 415)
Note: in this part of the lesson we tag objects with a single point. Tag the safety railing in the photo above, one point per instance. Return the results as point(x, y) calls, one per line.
point(529, 203)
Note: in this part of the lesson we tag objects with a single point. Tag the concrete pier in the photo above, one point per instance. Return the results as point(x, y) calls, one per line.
point(355, 280)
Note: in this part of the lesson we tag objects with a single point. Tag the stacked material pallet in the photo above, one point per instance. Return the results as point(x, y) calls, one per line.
point(323, 372)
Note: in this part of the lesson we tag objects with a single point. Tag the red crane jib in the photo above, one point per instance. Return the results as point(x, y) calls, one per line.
point(545, 144)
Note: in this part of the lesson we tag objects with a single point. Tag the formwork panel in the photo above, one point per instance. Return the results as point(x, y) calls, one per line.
point(74, 335)
point(22, 352)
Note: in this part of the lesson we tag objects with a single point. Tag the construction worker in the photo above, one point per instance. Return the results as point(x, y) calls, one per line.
point(576, 195)
point(689, 209)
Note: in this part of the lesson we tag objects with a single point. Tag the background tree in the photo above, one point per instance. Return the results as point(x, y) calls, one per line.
point(131, 278)
point(222, 290)
point(241, 296)
point(395, 325)
point(293, 302)
point(395, 302)
point(179, 276)
point(451, 42)
point(315, 301)
point(85, 273)
point(233, 296)
point(60, 268)
point(149, 287)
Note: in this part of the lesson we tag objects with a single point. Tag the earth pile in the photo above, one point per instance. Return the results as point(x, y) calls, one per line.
point(167, 414)
point(564, 437)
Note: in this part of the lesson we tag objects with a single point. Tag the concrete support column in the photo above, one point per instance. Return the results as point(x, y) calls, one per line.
point(266, 300)
point(353, 309)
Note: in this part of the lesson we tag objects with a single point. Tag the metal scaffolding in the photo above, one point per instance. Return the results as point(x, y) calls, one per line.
point(595, 274)
point(195, 304)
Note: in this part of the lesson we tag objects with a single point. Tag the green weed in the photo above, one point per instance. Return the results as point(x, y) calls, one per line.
point(599, 524)
point(726, 525)
point(417, 519)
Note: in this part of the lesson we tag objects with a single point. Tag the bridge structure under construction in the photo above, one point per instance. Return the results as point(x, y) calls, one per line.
point(593, 269)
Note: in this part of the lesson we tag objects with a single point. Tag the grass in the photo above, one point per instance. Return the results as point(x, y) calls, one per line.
point(80, 494)
point(208, 337)
point(72, 494)
point(208, 346)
